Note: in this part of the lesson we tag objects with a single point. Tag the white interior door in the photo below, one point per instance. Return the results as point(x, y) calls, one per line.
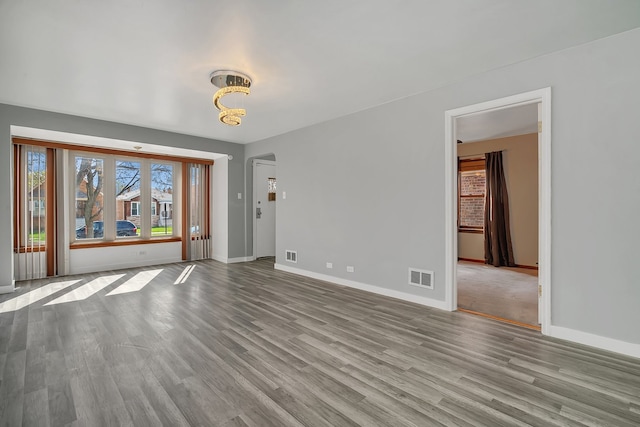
point(264, 203)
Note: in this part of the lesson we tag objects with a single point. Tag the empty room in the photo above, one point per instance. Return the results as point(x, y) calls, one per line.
point(319, 213)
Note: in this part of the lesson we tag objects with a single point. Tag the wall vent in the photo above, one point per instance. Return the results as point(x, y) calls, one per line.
point(291, 256)
point(422, 278)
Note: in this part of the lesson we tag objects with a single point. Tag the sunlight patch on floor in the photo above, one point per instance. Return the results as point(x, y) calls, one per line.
point(185, 274)
point(34, 296)
point(85, 291)
point(136, 283)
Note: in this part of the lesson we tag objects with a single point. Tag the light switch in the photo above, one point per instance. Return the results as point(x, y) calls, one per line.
point(239, 196)
point(284, 195)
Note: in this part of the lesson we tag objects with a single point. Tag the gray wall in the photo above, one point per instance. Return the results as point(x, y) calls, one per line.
point(368, 190)
point(11, 115)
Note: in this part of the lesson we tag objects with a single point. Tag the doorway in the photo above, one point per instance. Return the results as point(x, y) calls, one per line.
point(508, 292)
point(264, 203)
point(543, 98)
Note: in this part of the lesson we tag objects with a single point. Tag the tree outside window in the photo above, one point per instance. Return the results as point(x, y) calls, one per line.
point(89, 179)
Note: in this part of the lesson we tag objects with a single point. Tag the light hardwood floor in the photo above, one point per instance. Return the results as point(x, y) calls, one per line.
point(244, 345)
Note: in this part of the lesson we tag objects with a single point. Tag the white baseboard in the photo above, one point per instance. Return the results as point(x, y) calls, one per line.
point(604, 343)
point(429, 302)
point(232, 260)
point(240, 259)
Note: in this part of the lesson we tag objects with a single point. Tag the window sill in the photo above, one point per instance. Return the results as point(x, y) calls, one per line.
point(470, 230)
point(29, 249)
point(127, 242)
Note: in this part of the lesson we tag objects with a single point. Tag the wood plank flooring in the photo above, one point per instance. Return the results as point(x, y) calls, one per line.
point(244, 345)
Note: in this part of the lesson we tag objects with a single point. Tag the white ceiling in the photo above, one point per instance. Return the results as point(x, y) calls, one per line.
point(519, 120)
point(147, 62)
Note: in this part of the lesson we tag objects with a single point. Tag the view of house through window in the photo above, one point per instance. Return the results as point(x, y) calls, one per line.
point(128, 175)
point(32, 212)
point(143, 202)
point(161, 199)
point(471, 195)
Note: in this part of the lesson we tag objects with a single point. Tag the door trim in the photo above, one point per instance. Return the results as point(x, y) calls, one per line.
point(254, 196)
point(542, 96)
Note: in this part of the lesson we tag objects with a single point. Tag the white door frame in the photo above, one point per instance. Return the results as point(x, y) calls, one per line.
point(542, 96)
point(254, 162)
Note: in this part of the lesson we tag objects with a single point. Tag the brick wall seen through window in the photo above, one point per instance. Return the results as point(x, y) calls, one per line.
point(471, 195)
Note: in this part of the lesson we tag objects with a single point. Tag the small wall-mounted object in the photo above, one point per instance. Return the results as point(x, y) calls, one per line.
point(422, 278)
point(291, 256)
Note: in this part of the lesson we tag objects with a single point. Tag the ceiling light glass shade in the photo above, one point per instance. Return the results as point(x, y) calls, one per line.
point(230, 116)
point(229, 82)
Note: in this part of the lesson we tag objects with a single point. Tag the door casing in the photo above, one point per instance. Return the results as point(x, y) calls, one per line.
point(256, 189)
point(542, 96)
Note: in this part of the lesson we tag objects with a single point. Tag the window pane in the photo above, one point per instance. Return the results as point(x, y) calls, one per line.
point(472, 183)
point(472, 212)
point(89, 197)
point(161, 199)
point(128, 198)
point(472, 190)
point(35, 222)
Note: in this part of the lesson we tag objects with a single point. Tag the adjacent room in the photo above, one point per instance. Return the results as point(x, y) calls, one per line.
point(319, 214)
point(492, 282)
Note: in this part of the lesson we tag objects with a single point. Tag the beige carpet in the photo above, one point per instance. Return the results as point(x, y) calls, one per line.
point(510, 293)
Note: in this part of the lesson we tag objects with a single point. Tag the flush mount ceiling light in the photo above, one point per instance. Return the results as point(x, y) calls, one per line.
point(229, 82)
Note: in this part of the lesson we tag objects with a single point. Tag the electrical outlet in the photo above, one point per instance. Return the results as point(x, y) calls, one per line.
point(350, 269)
point(329, 265)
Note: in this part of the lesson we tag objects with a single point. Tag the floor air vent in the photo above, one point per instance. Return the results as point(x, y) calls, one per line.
point(422, 278)
point(292, 256)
